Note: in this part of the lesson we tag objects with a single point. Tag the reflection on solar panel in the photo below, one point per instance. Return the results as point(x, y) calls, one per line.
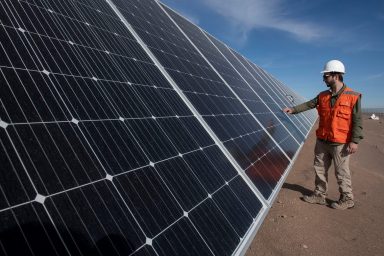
point(127, 130)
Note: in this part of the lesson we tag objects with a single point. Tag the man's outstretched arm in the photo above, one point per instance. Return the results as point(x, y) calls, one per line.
point(302, 107)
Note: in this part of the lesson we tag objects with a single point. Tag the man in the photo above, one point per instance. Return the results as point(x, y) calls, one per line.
point(338, 135)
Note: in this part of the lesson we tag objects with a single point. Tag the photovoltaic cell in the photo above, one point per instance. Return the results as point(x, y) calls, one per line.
point(181, 239)
point(149, 198)
point(12, 173)
point(246, 196)
point(97, 213)
point(30, 97)
point(27, 230)
point(102, 154)
point(217, 231)
point(55, 156)
point(114, 145)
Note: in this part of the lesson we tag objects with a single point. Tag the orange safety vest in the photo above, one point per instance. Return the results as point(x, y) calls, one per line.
point(336, 122)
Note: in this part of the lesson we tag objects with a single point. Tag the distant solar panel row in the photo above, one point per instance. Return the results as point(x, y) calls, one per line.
point(126, 130)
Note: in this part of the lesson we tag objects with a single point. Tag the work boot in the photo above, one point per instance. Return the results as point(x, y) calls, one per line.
point(315, 199)
point(343, 203)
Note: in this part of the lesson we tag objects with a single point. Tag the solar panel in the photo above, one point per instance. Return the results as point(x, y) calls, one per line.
point(287, 97)
point(293, 123)
point(119, 136)
point(240, 80)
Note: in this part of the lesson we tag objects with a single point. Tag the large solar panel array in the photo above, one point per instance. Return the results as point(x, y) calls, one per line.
point(127, 130)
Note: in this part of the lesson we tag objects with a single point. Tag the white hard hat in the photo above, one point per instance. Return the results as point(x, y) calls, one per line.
point(334, 66)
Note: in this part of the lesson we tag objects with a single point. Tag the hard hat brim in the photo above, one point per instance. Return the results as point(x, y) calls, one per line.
point(327, 71)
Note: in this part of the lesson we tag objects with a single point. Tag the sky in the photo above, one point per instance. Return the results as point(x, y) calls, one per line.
point(293, 39)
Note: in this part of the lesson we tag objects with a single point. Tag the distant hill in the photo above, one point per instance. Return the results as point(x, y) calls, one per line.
point(373, 110)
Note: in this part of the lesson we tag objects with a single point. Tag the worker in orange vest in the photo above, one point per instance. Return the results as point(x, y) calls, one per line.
point(338, 135)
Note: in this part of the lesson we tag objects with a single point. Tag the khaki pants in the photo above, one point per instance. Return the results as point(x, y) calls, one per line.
point(324, 154)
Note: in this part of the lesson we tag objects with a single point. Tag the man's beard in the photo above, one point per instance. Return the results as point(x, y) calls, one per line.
point(329, 84)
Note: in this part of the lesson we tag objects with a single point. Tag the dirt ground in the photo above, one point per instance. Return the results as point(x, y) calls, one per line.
point(293, 227)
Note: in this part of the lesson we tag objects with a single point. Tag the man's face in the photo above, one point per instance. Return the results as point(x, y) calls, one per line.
point(329, 79)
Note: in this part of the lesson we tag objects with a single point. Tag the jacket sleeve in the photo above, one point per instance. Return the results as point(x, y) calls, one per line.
point(357, 122)
point(305, 106)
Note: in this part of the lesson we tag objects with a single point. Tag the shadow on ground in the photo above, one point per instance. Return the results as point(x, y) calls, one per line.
point(298, 188)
